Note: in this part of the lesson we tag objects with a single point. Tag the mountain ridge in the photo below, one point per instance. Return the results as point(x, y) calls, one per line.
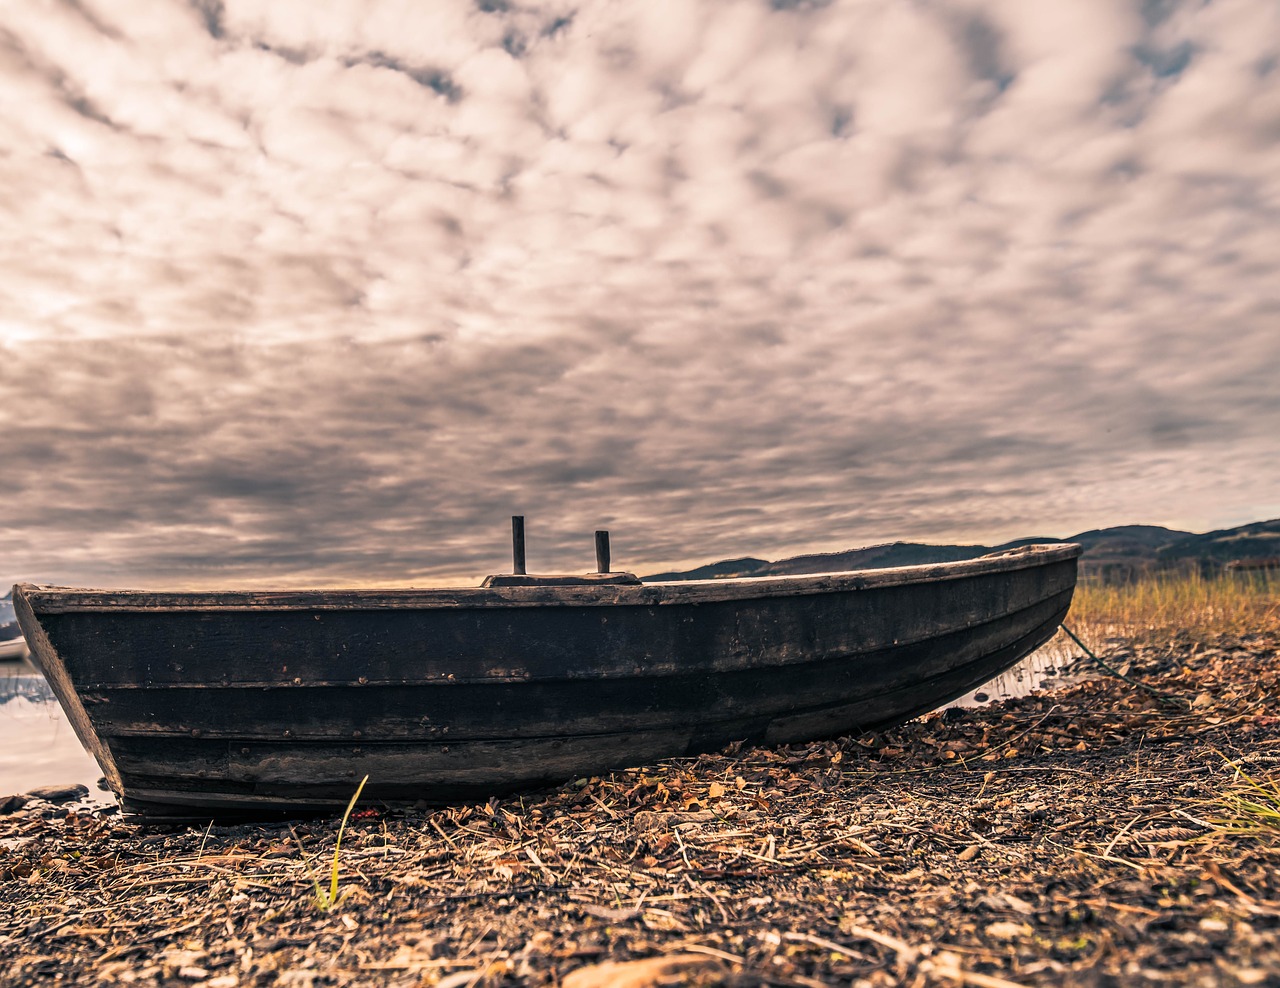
point(1120, 553)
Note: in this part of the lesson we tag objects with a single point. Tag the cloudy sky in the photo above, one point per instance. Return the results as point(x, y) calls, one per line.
point(323, 293)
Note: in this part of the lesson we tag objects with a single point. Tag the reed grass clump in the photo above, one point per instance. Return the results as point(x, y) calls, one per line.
point(1179, 605)
point(1249, 808)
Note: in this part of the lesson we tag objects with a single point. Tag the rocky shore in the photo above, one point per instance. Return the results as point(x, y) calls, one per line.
point(1098, 834)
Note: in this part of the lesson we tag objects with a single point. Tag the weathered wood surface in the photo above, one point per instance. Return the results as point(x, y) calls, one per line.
point(296, 646)
point(277, 702)
point(443, 709)
point(603, 578)
point(313, 770)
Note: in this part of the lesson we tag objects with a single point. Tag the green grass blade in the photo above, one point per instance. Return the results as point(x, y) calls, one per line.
point(333, 875)
point(306, 863)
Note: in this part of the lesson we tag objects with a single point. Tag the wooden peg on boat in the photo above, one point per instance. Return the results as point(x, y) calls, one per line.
point(602, 552)
point(517, 544)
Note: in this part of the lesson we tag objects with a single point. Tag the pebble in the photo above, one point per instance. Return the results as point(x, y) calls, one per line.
point(58, 794)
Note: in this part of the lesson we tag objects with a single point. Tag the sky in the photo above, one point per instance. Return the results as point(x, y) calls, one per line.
point(322, 293)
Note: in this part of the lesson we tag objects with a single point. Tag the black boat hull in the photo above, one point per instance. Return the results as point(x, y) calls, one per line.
point(201, 705)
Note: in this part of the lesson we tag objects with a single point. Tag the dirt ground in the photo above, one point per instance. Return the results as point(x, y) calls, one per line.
point(1076, 837)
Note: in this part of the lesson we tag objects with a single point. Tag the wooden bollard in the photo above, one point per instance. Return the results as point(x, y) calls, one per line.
point(517, 544)
point(602, 552)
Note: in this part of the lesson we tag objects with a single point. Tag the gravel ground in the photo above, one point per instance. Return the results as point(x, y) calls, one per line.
point(1080, 836)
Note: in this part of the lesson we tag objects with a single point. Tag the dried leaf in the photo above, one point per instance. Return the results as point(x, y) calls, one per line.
point(651, 971)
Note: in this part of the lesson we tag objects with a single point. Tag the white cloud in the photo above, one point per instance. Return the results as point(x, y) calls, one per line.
point(322, 292)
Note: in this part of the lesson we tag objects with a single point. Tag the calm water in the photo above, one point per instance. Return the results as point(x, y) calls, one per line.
point(1050, 666)
point(38, 746)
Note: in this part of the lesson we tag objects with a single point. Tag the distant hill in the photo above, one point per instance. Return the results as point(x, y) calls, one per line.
point(747, 566)
point(1121, 553)
point(1255, 541)
point(1110, 554)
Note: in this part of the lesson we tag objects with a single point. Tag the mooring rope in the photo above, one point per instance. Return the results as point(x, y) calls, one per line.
point(1161, 695)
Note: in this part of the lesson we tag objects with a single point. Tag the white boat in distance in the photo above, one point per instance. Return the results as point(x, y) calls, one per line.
point(12, 644)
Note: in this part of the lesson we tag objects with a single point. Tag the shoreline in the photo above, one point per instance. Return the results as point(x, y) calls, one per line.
point(1060, 838)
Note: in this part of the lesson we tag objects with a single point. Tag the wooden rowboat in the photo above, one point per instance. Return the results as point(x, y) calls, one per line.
point(200, 705)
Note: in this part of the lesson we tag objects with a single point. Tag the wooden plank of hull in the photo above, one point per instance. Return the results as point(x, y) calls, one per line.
point(457, 645)
point(469, 710)
point(235, 707)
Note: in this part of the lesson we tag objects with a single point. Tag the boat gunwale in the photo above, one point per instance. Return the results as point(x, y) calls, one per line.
point(53, 600)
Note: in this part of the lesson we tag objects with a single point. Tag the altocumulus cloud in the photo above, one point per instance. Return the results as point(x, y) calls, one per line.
point(298, 293)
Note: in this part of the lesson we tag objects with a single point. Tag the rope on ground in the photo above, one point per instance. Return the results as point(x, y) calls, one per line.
point(1161, 695)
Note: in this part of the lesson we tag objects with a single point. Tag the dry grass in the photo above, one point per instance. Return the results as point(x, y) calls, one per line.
point(1178, 605)
point(1249, 808)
